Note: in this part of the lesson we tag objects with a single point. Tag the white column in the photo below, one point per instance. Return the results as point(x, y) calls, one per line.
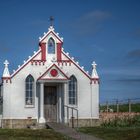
point(65, 100)
point(42, 119)
point(60, 92)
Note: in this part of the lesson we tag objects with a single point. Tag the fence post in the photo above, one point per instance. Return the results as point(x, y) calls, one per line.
point(72, 119)
point(117, 103)
point(107, 107)
point(129, 103)
point(68, 116)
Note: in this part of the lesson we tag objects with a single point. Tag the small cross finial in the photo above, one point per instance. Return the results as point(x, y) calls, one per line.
point(6, 63)
point(51, 20)
point(94, 65)
point(94, 72)
point(6, 70)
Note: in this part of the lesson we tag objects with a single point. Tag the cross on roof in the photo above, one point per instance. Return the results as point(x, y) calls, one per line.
point(6, 63)
point(51, 20)
point(94, 65)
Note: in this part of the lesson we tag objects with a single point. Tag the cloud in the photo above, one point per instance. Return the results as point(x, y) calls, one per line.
point(133, 57)
point(134, 54)
point(95, 16)
point(120, 71)
point(131, 79)
point(92, 22)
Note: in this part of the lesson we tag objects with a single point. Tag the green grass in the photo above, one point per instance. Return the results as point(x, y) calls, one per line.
point(123, 107)
point(28, 134)
point(127, 133)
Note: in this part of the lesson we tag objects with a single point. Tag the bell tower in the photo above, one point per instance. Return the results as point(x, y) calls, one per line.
point(51, 44)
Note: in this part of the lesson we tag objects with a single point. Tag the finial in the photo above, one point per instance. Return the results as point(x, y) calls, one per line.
point(51, 20)
point(6, 63)
point(94, 65)
point(94, 72)
point(6, 70)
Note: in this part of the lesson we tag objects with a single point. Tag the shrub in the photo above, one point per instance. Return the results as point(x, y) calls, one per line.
point(122, 122)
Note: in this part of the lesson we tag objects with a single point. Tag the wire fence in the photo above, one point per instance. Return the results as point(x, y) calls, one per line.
point(125, 105)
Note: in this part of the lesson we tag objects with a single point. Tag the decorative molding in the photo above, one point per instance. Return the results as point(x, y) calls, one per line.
point(37, 62)
point(64, 62)
point(76, 64)
point(95, 81)
point(53, 65)
point(49, 32)
point(59, 54)
point(6, 79)
point(27, 62)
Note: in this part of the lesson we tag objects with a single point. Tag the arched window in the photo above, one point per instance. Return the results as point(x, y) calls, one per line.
point(73, 90)
point(29, 90)
point(51, 46)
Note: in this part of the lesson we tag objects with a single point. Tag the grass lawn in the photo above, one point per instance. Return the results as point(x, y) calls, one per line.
point(130, 133)
point(28, 134)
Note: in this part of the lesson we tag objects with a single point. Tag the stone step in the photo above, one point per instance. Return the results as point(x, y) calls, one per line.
point(70, 132)
point(38, 126)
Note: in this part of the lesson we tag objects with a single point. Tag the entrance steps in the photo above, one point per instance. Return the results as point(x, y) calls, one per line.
point(70, 132)
point(38, 126)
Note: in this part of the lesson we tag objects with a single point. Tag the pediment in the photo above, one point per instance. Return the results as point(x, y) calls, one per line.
point(53, 73)
point(51, 34)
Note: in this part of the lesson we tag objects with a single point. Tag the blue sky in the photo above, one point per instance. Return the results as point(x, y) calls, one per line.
point(107, 31)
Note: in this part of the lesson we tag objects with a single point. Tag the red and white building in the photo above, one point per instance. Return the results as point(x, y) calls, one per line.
point(47, 84)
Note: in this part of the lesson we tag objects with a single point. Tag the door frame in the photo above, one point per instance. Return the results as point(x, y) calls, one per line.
point(60, 91)
point(55, 94)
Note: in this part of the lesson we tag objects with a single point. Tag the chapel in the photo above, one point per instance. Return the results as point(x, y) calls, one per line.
point(50, 86)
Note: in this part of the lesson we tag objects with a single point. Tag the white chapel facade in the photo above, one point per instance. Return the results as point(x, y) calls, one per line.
point(47, 85)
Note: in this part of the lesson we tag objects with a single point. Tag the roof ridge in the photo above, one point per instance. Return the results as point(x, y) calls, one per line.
point(25, 62)
point(76, 63)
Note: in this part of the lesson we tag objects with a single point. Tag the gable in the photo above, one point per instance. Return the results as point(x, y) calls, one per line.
point(71, 60)
point(42, 59)
point(30, 59)
point(53, 73)
point(52, 34)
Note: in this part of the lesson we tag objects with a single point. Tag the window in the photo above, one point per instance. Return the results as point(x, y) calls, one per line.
point(73, 90)
point(51, 46)
point(29, 90)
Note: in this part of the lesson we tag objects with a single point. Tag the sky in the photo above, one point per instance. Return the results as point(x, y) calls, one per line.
point(105, 31)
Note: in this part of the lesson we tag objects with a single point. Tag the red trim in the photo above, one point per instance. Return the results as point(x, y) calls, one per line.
point(49, 69)
point(24, 65)
point(59, 46)
point(37, 62)
point(95, 81)
point(77, 66)
point(43, 51)
point(53, 34)
point(6, 79)
point(64, 61)
point(53, 79)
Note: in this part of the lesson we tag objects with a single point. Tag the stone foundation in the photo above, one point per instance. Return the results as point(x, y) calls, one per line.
point(25, 123)
point(18, 123)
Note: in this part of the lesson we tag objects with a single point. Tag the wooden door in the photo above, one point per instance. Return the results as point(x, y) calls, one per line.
point(50, 103)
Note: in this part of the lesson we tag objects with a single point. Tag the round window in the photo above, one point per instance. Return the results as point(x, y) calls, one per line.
point(54, 72)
